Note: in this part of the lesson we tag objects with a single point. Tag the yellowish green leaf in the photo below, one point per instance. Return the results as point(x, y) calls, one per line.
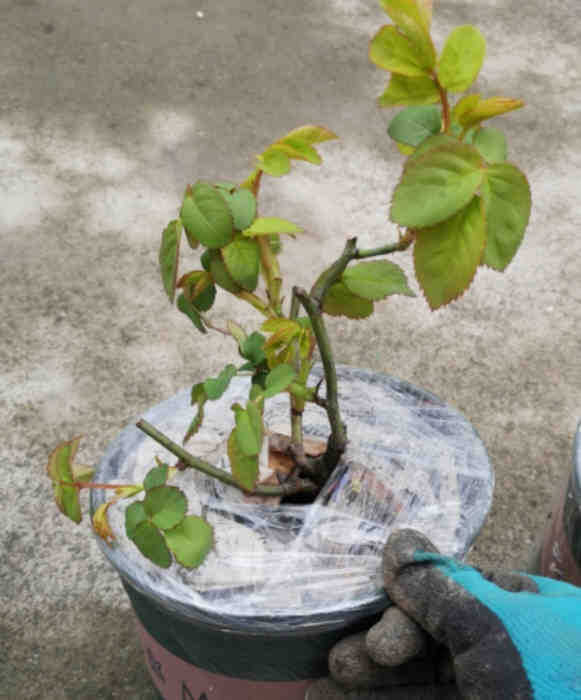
point(393, 51)
point(486, 109)
point(409, 91)
point(462, 58)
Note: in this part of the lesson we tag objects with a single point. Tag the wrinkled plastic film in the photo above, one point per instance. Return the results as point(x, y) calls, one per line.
point(412, 461)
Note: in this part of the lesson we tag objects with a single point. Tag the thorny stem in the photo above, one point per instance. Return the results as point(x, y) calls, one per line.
point(286, 489)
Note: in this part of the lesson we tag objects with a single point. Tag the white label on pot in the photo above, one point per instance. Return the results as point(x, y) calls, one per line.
point(177, 680)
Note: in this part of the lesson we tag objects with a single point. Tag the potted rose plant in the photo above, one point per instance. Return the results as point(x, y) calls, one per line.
point(459, 205)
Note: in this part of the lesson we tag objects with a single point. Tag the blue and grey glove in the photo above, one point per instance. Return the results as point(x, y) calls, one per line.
point(489, 636)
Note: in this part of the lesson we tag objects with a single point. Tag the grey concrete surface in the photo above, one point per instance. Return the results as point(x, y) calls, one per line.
point(107, 110)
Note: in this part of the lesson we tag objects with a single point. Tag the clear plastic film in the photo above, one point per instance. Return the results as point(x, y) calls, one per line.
point(412, 461)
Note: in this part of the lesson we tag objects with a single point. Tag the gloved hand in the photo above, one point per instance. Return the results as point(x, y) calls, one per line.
point(489, 636)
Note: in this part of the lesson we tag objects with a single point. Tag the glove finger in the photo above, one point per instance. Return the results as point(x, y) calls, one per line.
point(395, 639)
point(511, 581)
point(436, 591)
point(351, 666)
point(328, 689)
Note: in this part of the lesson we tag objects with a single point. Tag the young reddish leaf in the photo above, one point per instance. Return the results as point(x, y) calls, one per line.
point(206, 216)
point(409, 91)
point(199, 289)
point(248, 434)
point(244, 467)
point(376, 280)
point(461, 58)
point(168, 256)
point(267, 225)
point(165, 506)
point(486, 109)
point(491, 143)
point(101, 524)
point(436, 185)
point(413, 125)
point(242, 204)
point(191, 312)
point(413, 18)
point(396, 52)
point(190, 541)
point(507, 197)
point(151, 543)
point(215, 387)
point(274, 161)
point(339, 301)
point(242, 260)
point(278, 380)
point(446, 256)
point(220, 273)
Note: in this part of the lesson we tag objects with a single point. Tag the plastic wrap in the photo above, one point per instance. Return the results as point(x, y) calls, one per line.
point(412, 461)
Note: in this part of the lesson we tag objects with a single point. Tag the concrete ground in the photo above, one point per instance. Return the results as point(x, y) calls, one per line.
point(107, 110)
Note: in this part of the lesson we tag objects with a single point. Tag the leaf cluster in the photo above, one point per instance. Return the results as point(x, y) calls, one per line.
point(464, 204)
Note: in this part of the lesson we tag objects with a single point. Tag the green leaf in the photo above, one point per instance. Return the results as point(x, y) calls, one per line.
point(339, 301)
point(464, 105)
point(415, 124)
point(461, 58)
point(279, 379)
point(297, 149)
point(190, 541)
point(134, 515)
point(274, 161)
point(206, 215)
point(237, 333)
point(266, 225)
point(59, 469)
point(228, 186)
point(248, 434)
point(491, 143)
point(220, 273)
point(446, 256)
point(436, 185)
point(507, 197)
point(244, 467)
point(413, 19)
point(165, 506)
point(310, 133)
point(242, 204)
point(151, 544)
point(429, 144)
point(191, 312)
point(157, 476)
point(252, 348)
point(215, 387)
point(242, 260)
point(376, 280)
point(168, 256)
point(199, 397)
point(486, 109)
point(395, 52)
point(409, 91)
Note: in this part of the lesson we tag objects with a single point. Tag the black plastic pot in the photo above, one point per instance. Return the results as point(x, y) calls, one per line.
point(557, 550)
point(196, 653)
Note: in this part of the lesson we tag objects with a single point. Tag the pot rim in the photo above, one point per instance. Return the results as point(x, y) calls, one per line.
point(299, 623)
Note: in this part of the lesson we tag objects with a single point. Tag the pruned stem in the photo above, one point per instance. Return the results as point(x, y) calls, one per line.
point(289, 488)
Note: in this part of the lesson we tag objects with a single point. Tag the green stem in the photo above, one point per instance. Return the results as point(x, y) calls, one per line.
point(271, 272)
point(287, 489)
point(338, 439)
point(257, 303)
point(445, 105)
